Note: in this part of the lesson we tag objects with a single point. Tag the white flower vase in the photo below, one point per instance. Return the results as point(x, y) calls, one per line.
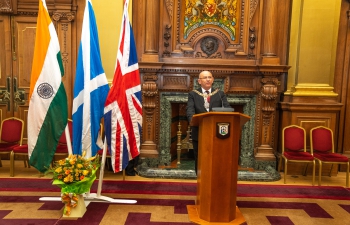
point(79, 210)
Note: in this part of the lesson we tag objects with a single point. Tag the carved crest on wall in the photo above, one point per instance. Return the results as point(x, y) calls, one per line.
point(223, 14)
point(205, 25)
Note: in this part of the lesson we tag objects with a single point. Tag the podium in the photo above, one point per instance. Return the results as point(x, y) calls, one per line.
point(218, 150)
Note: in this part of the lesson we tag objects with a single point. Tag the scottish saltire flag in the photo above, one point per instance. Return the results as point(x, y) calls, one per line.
point(123, 109)
point(47, 113)
point(90, 89)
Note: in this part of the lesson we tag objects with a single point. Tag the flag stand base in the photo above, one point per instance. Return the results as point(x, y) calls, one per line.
point(92, 197)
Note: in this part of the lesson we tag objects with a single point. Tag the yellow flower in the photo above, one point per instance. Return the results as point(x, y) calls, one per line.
point(72, 161)
point(67, 179)
point(58, 170)
point(80, 165)
point(61, 162)
point(85, 172)
point(91, 158)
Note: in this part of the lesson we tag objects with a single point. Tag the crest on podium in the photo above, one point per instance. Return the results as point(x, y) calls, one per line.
point(222, 130)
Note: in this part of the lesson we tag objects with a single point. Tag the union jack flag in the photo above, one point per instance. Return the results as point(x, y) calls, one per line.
point(123, 109)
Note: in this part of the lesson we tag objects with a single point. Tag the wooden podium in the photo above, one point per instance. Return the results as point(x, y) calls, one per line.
point(218, 149)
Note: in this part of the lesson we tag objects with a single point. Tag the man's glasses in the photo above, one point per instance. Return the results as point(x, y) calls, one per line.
point(204, 78)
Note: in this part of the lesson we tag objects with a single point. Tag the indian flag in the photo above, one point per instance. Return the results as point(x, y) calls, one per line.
point(47, 113)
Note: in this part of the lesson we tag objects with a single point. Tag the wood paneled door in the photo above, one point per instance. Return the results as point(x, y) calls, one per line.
point(16, 56)
point(17, 42)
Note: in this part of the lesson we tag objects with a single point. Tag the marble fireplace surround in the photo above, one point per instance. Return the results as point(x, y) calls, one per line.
point(246, 158)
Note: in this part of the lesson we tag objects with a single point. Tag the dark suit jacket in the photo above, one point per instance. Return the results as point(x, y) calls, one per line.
point(195, 105)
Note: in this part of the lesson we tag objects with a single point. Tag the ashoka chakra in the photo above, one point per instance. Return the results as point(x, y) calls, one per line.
point(45, 90)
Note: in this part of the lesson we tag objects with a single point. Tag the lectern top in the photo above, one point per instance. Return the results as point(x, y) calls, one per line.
point(196, 119)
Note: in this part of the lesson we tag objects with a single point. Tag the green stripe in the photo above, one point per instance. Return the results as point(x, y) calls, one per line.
point(50, 132)
point(60, 63)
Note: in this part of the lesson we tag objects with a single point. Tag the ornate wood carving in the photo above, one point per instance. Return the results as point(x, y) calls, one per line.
point(149, 100)
point(225, 37)
point(6, 6)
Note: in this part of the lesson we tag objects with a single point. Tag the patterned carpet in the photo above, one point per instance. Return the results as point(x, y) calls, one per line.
point(164, 203)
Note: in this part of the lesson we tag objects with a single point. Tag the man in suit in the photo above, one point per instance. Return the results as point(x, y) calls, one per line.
point(203, 100)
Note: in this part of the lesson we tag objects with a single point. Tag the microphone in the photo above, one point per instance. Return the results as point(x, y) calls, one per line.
point(222, 108)
point(222, 102)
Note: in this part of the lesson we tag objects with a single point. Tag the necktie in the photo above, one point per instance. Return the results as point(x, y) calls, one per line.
point(208, 96)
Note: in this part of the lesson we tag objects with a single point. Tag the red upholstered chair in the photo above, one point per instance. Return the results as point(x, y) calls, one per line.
point(322, 144)
point(20, 152)
point(294, 149)
point(11, 135)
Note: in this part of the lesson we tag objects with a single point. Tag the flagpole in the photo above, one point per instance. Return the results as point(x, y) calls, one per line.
point(102, 168)
point(69, 143)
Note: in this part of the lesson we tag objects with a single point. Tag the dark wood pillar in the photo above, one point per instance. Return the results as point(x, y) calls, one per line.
point(269, 36)
point(151, 32)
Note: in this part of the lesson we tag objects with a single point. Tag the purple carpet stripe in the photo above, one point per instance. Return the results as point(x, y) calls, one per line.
point(140, 187)
point(293, 191)
point(312, 209)
point(13, 199)
point(3, 213)
point(346, 208)
point(144, 219)
point(277, 220)
point(180, 206)
point(31, 222)
point(52, 205)
point(122, 187)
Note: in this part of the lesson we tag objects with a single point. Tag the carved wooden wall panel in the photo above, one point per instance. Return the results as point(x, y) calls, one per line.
point(224, 37)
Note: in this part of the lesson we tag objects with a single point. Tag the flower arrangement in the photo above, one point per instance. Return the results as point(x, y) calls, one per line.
point(75, 168)
point(74, 175)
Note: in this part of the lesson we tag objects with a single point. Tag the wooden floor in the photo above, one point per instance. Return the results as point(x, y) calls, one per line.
point(22, 172)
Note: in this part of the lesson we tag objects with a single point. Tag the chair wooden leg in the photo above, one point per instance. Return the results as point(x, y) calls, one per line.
point(305, 170)
point(285, 170)
point(319, 172)
point(313, 173)
point(12, 164)
point(347, 175)
point(330, 172)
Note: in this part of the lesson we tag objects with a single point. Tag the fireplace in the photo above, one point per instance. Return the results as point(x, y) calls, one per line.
point(247, 138)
